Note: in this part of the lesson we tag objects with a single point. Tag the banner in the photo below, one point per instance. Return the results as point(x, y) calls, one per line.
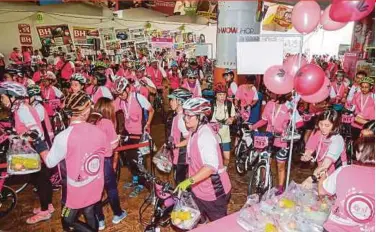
point(25, 35)
point(185, 8)
point(24, 29)
point(83, 32)
point(55, 35)
point(349, 63)
point(162, 43)
point(164, 6)
point(137, 34)
point(208, 9)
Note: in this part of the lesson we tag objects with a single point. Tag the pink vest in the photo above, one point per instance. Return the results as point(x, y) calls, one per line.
point(36, 76)
point(321, 146)
point(194, 90)
point(84, 163)
point(123, 73)
point(141, 90)
point(53, 102)
point(155, 76)
point(174, 80)
point(176, 134)
point(22, 128)
point(132, 114)
point(339, 90)
point(67, 71)
point(354, 208)
point(208, 189)
point(364, 106)
point(90, 89)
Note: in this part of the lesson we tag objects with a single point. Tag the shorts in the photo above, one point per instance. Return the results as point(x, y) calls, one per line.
point(226, 146)
point(213, 210)
point(281, 154)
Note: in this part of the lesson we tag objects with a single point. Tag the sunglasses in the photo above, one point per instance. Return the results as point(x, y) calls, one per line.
point(192, 78)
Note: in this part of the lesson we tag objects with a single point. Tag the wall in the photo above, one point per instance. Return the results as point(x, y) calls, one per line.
point(9, 21)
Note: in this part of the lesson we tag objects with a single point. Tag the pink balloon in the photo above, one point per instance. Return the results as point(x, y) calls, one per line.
point(306, 16)
point(291, 64)
point(329, 24)
point(309, 79)
point(277, 80)
point(345, 11)
point(320, 95)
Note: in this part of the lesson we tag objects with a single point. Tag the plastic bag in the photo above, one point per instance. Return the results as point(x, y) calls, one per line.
point(22, 158)
point(163, 160)
point(185, 214)
point(146, 149)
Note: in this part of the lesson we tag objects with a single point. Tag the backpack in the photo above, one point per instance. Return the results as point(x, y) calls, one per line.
point(145, 114)
point(229, 108)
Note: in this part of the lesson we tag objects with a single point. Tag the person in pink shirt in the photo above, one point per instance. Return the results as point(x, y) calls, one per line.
point(124, 70)
point(174, 76)
point(79, 151)
point(51, 94)
point(15, 57)
point(328, 144)
point(156, 74)
point(354, 188)
point(277, 116)
point(99, 87)
point(246, 97)
point(208, 177)
point(178, 135)
point(26, 119)
point(232, 87)
point(192, 83)
point(355, 88)
point(40, 73)
point(339, 88)
point(364, 106)
point(141, 84)
point(67, 68)
point(133, 106)
point(103, 116)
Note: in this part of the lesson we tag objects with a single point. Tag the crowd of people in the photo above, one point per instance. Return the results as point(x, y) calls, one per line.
point(103, 105)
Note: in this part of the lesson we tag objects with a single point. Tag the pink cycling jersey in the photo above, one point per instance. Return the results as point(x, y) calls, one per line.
point(80, 151)
point(43, 117)
point(354, 208)
point(364, 107)
point(203, 151)
point(332, 148)
point(26, 119)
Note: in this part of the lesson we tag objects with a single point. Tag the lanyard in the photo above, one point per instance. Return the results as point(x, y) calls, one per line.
point(338, 90)
point(126, 108)
point(275, 114)
point(363, 104)
point(318, 149)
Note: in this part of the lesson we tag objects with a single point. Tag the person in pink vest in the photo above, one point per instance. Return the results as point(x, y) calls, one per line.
point(26, 118)
point(51, 94)
point(23, 79)
point(99, 87)
point(179, 134)
point(355, 88)
point(67, 68)
point(156, 74)
point(103, 116)
point(363, 106)
point(339, 89)
point(246, 97)
point(26, 54)
point(210, 182)
point(192, 83)
point(277, 116)
point(174, 76)
point(132, 105)
point(232, 87)
point(328, 144)
point(142, 84)
point(354, 188)
point(79, 151)
point(77, 82)
point(15, 57)
point(124, 70)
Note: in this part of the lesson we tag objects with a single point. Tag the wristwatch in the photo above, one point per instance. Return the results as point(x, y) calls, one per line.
point(314, 179)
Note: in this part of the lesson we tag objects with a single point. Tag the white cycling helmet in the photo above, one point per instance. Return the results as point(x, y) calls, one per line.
point(13, 89)
point(197, 106)
point(78, 77)
point(120, 85)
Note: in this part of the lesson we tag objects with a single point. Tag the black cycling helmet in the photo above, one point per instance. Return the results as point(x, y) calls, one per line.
point(228, 72)
point(101, 78)
point(77, 103)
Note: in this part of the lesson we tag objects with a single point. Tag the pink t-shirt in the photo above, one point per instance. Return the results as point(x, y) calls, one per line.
point(67, 70)
point(195, 90)
point(26, 56)
point(155, 76)
point(37, 76)
point(123, 73)
point(174, 80)
point(332, 148)
point(52, 95)
point(354, 208)
point(16, 57)
point(108, 128)
point(203, 151)
point(80, 151)
point(364, 107)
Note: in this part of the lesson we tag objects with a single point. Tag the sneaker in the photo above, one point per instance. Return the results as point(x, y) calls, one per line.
point(117, 219)
point(51, 209)
point(136, 191)
point(102, 226)
point(128, 185)
point(41, 216)
point(280, 190)
point(56, 187)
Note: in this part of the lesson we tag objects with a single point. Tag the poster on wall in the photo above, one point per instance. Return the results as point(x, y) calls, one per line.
point(25, 38)
point(137, 34)
point(129, 50)
point(208, 9)
point(122, 34)
point(185, 8)
point(107, 34)
point(56, 36)
point(189, 37)
point(84, 40)
point(143, 47)
point(177, 36)
point(277, 18)
point(349, 63)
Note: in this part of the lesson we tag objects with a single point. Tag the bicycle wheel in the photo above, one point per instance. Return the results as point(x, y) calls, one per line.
point(8, 200)
point(241, 158)
point(18, 182)
point(257, 181)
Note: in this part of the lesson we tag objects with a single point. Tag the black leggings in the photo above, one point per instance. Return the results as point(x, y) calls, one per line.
point(41, 181)
point(70, 221)
point(132, 158)
point(180, 173)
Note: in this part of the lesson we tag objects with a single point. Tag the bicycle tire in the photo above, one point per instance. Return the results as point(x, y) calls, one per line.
point(23, 185)
point(7, 195)
point(239, 162)
point(253, 179)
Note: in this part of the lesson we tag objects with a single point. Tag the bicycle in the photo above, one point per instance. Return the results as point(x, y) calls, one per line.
point(245, 156)
point(164, 203)
point(158, 104)
point(347, 118)
point(8, 196)
point(261, 177)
